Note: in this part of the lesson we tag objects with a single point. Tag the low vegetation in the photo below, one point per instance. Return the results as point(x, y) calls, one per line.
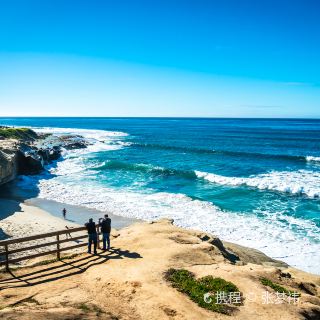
point(276, 287)
point(17, 133)
point(206, 291)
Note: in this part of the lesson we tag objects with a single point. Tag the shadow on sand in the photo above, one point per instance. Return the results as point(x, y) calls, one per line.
point(61, 269)
point(7, 208)
point(11, 196)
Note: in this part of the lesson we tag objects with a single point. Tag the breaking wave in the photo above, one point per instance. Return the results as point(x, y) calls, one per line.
point(301, 182)
point(277, 235)
point(75, 181)
point(313, 159)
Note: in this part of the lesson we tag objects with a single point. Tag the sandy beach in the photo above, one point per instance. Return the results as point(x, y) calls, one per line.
point(21, 219)
point(29, 220)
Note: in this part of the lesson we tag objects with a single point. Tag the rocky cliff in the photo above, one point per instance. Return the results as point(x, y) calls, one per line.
point(23, 151)
point(8, 160)
point(20, 157)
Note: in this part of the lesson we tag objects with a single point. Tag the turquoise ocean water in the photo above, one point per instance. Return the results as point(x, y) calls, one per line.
point(255, 182)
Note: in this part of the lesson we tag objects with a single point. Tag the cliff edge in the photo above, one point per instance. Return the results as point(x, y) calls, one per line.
point(23, 151)
point(20, 155)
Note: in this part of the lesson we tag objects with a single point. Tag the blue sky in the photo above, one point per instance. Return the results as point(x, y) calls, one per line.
point(160, 58)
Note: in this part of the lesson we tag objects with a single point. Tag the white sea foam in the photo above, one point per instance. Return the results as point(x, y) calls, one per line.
point(313, 159)
point(100, 140)
point(301, 182)
point(87, 133)
point(295, 241)
point(292, 240)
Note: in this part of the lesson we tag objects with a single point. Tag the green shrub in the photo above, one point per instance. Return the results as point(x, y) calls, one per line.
point(196, 289)
point(276, 287)
point(18, 133)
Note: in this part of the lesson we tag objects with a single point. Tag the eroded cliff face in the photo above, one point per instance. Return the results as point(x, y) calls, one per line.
point(17, 153)
point(20, 157)
point(28, 152)
point(17, 157)
point(8, 160)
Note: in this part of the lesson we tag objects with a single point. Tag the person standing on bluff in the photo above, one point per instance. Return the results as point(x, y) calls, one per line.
point(92, 235)
point(105, 225)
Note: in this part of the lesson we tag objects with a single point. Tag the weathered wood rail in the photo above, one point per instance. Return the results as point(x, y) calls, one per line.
point(7, 251)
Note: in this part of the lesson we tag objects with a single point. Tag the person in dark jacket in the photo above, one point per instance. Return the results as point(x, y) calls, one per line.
point(105, 225)
point(64, 213)
point(92, 235)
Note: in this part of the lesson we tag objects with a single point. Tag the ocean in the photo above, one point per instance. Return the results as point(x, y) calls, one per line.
point(255, 182)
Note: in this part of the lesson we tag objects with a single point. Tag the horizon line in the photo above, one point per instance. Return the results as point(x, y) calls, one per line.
point(166, 117)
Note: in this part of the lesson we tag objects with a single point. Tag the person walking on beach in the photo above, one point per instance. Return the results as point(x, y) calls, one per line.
point(105, 225)
point(92, 235)
point(64, 213)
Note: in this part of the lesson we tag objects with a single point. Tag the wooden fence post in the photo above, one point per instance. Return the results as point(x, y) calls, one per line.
point(58, 247)
point(7, 253)
point(7, 257)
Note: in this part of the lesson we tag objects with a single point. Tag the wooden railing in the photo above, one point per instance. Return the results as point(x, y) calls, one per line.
point(7, 252)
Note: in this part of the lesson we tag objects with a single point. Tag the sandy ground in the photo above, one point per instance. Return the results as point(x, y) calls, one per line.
point(29, 220)
point(128, 282)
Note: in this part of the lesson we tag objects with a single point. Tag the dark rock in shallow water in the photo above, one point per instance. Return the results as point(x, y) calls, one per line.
point(29, 161)
point(50, 154)
point(69, 142)
point(44, 154)
point(54, 153)
point(74, 142)
point(75, 145)
point(29, 164)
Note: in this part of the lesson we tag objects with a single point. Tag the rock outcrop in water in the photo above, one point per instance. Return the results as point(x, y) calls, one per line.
point(23, 151)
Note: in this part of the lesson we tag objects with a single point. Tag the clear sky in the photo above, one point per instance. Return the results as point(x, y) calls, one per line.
point(231, 58)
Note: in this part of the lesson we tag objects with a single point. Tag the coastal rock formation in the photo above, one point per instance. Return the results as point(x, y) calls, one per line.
point(49, 155)
point(22, 151)
point(29, 161)
point(17, 158)
point(71, 142)
point(8, 161)
point(17, 153)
